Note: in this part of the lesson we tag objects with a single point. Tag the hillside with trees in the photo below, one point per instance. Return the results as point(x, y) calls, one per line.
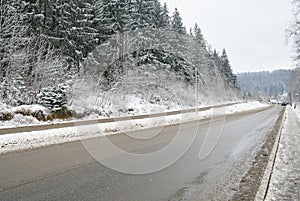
point(265, 83)
point(65, 54)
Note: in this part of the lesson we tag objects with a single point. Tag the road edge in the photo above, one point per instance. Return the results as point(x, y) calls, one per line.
point(255, 182)
point(265, 182)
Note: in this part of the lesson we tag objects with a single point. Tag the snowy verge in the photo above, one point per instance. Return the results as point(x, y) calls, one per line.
point(33, 115)
point(22, 115)
point(35, 139)
point(263, 187)
point(284, 182)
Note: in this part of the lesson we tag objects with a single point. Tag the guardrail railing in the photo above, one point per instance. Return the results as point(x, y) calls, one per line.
point(4, 131)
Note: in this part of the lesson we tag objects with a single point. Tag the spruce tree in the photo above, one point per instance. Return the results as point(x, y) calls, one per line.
point(226, 70)
point(177, 24)
point(199, 38)
point(165, 20)
point(111, 17)
point(145, 15)
point(161, 15)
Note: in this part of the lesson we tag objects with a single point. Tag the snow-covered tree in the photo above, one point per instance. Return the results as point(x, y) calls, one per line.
point(165, 20)
point(226, 70)
point(295, 84)
point(293, 31)
point(54, 98)
point(177, 24)
point(199, 37)
point(142, 13)
point(111, 17)
point(161, 15)
point(14, 57)
point(28, 62)
point(45, 44)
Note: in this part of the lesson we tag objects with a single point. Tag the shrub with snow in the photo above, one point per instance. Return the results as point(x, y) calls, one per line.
point(54, 98)
point(5, 113)
point(37, 111)
point(6, 116)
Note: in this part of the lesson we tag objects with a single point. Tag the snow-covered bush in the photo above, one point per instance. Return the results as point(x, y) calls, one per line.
point(6, 116)
point(34, 112)
point(5, 113)
point(37, 111)
point(54, 98)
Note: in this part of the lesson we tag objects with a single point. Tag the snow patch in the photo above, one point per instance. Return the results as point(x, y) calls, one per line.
point(244, 107)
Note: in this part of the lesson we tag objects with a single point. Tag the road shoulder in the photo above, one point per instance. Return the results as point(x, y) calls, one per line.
point(250, 183)
point(284, 183)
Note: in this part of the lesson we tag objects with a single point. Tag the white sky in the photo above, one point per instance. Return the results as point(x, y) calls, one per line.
point(252, 31)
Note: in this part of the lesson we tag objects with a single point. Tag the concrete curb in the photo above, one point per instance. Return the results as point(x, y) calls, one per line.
point(264, 185)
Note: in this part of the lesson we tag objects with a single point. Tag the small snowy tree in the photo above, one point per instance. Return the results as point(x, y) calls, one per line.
point(54, 98)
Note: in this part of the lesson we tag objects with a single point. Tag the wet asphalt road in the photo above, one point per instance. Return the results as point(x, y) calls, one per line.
point(69, 171)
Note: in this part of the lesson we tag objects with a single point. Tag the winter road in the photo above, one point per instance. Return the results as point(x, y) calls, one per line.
point(69, 172)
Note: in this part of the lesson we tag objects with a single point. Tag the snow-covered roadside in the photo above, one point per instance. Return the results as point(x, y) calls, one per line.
point(285, 178)
point(87, 109)
point(29, 140)
point(24, 115)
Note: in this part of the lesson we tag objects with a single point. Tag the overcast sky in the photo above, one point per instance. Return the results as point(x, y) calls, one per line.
point(252, 31)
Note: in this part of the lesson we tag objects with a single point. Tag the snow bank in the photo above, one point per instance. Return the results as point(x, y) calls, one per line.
point(244, 107)
point(28, 140)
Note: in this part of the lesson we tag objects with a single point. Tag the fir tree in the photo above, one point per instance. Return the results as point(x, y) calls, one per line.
point(144, 15)
point(177, 24)
point(226, 69)
point(199, 37)
point(165, 20)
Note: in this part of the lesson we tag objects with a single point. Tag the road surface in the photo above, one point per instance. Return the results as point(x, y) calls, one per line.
point(69, 172)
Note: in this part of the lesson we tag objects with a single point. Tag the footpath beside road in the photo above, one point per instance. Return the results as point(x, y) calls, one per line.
point(284, 183)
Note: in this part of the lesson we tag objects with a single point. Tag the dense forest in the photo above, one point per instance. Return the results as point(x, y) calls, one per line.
point(54, 51)
point(265, 83)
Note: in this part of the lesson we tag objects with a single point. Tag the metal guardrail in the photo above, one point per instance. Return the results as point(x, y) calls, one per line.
point(24, 129)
